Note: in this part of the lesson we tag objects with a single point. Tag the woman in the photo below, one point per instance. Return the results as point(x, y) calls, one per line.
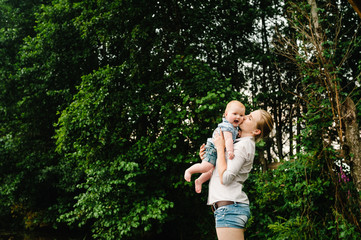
point(229, 203)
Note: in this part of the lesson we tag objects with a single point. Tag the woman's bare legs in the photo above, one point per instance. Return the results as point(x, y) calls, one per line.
point(230, 233)
point(197, 168)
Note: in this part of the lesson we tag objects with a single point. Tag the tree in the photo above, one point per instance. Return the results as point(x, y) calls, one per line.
point(104, 104)
point(326, 88)
point(16, 23)
point(145, 111)
point(47, 64)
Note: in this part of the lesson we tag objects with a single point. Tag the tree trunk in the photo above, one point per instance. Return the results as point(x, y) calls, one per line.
point(262, 160)
point(298, 133)
point(352, 141)
point(356, 4)
point(291, 130)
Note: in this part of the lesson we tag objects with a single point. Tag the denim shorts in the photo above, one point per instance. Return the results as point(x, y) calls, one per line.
point(232, 216)
point(211, 154)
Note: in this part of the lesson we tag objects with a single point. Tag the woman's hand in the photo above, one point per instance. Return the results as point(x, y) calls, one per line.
point(218, 139)
point(202, 151)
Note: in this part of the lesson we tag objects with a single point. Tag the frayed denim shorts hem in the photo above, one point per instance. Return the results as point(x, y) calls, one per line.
point(232, 216)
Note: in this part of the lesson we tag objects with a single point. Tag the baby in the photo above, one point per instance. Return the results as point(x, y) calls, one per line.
point(233, 116)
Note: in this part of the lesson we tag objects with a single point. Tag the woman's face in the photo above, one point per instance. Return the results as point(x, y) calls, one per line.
point(249, 124)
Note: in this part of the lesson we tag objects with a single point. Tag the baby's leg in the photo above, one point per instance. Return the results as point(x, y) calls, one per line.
point(197, 168)
point(202, 178)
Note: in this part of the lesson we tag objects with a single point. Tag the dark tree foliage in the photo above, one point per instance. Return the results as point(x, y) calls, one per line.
point(104, 104)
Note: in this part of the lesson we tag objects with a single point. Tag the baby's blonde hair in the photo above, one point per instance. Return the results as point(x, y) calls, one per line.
point(233, 102)
point(265, 125)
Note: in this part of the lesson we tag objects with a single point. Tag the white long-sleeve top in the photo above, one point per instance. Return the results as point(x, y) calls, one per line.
point(235, 175)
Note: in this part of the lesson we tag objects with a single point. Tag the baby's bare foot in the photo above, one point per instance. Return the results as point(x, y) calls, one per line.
point(187, 175)
point(198, 186)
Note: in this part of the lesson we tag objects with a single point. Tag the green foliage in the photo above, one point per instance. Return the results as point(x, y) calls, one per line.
point(40, 79)
point(295, 228)
point(296, 201)
point(115, 202)
point(104, 104)
point(131, 150)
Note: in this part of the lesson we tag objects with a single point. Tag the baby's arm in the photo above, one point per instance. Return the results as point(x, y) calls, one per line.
point(229, 144)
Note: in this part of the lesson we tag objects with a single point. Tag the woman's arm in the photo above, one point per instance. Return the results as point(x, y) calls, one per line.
point(221, 159)
point(229, 144)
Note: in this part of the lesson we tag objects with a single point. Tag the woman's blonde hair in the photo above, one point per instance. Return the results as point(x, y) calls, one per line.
point(265, 124)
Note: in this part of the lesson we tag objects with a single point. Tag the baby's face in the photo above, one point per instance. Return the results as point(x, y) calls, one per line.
point(235, 114)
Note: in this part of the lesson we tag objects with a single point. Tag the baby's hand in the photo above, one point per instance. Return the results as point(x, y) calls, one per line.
point(230, 155)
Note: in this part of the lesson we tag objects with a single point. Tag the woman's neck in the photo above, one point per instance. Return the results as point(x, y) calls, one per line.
point(245, 134)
